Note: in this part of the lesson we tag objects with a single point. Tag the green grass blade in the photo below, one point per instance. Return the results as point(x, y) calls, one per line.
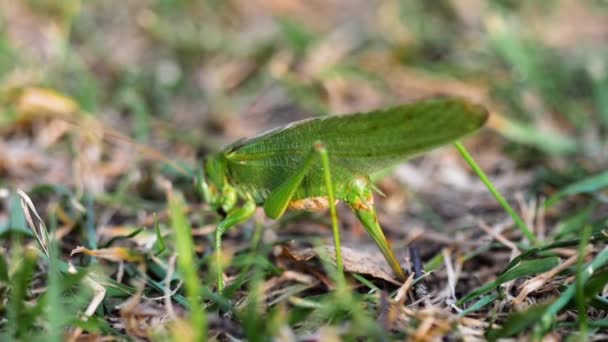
point(527, 134)
point(586, 186)
point(19, 322)
point(4, 278)
point(55, 312)
point(595, 238)
point(580, 286)
point(187, 265)
point(434, 263)
point(572, 225)
point(600, 92)
point(600, 323)
point(159, 245)
point(497, 195)
point(524, 269)
point(517, 323)
point(91, 229)
point(596, 283)
point(478, 305)
point(550, 314)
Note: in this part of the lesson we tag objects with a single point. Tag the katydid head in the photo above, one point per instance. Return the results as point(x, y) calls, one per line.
point(214, 186)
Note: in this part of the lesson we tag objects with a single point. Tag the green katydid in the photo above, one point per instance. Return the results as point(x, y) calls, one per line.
point(315, 162)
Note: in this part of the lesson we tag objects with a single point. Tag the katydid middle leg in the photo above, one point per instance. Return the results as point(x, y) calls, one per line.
point(234, 217)
point(360, 198)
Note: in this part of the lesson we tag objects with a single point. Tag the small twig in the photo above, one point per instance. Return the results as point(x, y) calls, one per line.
point(420, 288)
point(417, 263)
point(451, 275)
point(497, 236)
point(527, 209)
point(168, 292)
point(424, 329)
point(541, 227)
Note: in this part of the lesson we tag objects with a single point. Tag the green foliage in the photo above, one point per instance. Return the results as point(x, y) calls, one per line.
point(185, 251)
point(17, 311)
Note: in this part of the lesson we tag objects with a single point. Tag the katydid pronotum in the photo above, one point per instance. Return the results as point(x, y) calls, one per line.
point(315, 162)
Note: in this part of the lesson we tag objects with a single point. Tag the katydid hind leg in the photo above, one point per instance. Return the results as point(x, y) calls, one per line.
point(360, 199)
point(234, 217)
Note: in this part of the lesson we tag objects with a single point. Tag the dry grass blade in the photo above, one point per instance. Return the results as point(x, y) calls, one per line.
point(452, 276)
point(40, 230)
point(498, 237)
point(100, 293)
point(168, 293)
point(539, 281)
point(404, 290)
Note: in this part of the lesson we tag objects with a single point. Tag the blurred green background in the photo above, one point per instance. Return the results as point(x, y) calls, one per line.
point(204, 63)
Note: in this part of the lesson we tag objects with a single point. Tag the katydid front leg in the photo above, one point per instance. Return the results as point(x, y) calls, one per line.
point(234, 217)
point(360, 198)
point(279, 199)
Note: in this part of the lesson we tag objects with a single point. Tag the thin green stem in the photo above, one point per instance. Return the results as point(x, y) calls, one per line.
point(218, 260)
point(497, 195)
point(580, 285)
point(334, 215)
point(187, 265)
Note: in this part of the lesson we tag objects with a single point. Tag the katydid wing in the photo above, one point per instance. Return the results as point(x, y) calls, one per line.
point(357, 145)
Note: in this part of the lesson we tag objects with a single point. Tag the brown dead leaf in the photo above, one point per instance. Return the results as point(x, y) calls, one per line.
point(356, 260)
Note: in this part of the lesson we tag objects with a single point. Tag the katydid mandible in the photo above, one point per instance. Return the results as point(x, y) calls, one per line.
point(311, 164)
